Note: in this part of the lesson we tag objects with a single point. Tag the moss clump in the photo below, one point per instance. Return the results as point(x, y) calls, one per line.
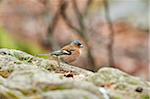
point(116, 97)
point(145, 97)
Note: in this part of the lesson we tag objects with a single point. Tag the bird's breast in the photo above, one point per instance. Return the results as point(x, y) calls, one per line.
point(70, 58)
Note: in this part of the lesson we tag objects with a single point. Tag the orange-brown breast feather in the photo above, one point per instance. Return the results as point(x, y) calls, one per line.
point(75, 53)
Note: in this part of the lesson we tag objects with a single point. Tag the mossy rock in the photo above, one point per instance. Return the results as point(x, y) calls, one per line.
point(23, 76)
point(120, 85)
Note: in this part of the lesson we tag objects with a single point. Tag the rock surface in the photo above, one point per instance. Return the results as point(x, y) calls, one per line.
point(24, 76)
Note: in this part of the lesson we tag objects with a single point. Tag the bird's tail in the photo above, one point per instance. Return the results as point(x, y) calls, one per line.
point(53, 54)
point(43, 54)
point(56, 53)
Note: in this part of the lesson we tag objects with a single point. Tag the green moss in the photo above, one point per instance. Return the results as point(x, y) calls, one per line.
point(48, 66)
point(145, 97)
point(17, 62)
point(86, 97)
point(117, 97)
point(12, 95)
point(61, 88)
point(22, 57)
point(8, 41)
point(10, 70)
point(52, 87)
point(121, 86)
point(29, 59)
point(29, 92)
point(131, 81)
point(19, 56)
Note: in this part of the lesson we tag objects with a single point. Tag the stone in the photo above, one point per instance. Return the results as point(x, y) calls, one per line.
point(23, 76)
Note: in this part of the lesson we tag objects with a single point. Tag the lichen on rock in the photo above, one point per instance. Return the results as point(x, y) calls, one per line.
point(23, 76)
point(120, 84)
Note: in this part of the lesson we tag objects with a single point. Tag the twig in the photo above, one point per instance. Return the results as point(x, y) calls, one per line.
point(111, 35)
point(88, 3)
point(58, 61)
point(81, 31)
point(50, 39)
point(79, 17)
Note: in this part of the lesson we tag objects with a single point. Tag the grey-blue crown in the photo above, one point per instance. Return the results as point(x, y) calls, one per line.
point(77, 42)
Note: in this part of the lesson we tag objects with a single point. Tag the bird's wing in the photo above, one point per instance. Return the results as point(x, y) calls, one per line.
point(61, 52)
point(57, 53)
point(66, 52)
point(68, 49)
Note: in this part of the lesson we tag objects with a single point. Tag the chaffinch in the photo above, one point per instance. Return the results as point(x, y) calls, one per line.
point(69, 53)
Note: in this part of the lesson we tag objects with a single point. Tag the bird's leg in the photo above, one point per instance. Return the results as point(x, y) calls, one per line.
point(42, 54)
point(58, 60)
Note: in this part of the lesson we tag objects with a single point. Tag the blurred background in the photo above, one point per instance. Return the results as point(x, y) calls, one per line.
point(114, 32)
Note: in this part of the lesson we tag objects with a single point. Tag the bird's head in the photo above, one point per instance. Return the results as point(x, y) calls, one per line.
point(77, 43)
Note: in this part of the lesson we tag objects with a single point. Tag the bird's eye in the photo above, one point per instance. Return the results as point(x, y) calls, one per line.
point(79, 44)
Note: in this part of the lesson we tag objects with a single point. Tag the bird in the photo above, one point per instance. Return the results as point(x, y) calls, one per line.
point(69, 53)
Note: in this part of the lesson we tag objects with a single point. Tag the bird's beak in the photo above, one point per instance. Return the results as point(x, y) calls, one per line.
point(81, 46)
